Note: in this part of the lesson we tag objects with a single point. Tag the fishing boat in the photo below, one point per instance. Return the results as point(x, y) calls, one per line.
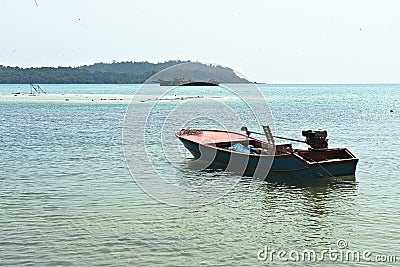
point(254, 157)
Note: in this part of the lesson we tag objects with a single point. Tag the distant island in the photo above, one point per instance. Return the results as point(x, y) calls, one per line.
point(115, 73)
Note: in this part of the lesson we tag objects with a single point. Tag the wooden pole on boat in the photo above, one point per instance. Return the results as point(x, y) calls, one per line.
point(278, 137)
point(290, 139)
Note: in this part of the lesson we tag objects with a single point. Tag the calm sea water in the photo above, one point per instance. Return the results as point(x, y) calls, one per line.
point(67, 197)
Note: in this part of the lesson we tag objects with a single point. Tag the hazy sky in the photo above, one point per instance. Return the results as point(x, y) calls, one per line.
point(281, 41)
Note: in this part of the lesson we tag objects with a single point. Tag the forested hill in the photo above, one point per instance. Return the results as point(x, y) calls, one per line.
point(102, 73)
point(122, 72)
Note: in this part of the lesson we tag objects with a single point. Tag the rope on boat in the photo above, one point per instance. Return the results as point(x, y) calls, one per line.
point(190, 132)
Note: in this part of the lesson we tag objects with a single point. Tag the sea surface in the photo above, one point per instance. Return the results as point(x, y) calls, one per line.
point(67, 197)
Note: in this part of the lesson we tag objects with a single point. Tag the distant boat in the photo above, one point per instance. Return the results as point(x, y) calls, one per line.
point(184, 82)
point(254, 156)
point(201, 84)
point(174, 82)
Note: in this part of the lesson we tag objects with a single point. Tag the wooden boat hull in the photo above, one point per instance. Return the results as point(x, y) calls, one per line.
point(304, 163)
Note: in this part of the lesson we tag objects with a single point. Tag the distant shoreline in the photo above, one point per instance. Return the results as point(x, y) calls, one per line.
point(119, 73)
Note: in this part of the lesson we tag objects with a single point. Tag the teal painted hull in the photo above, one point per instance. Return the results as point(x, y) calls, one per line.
point(289, 165)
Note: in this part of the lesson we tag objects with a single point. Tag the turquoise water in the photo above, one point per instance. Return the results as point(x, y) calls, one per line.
point(67, 197)
point(72, 88)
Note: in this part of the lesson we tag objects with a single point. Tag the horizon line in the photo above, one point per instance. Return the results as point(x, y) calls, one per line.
point(254, 83)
